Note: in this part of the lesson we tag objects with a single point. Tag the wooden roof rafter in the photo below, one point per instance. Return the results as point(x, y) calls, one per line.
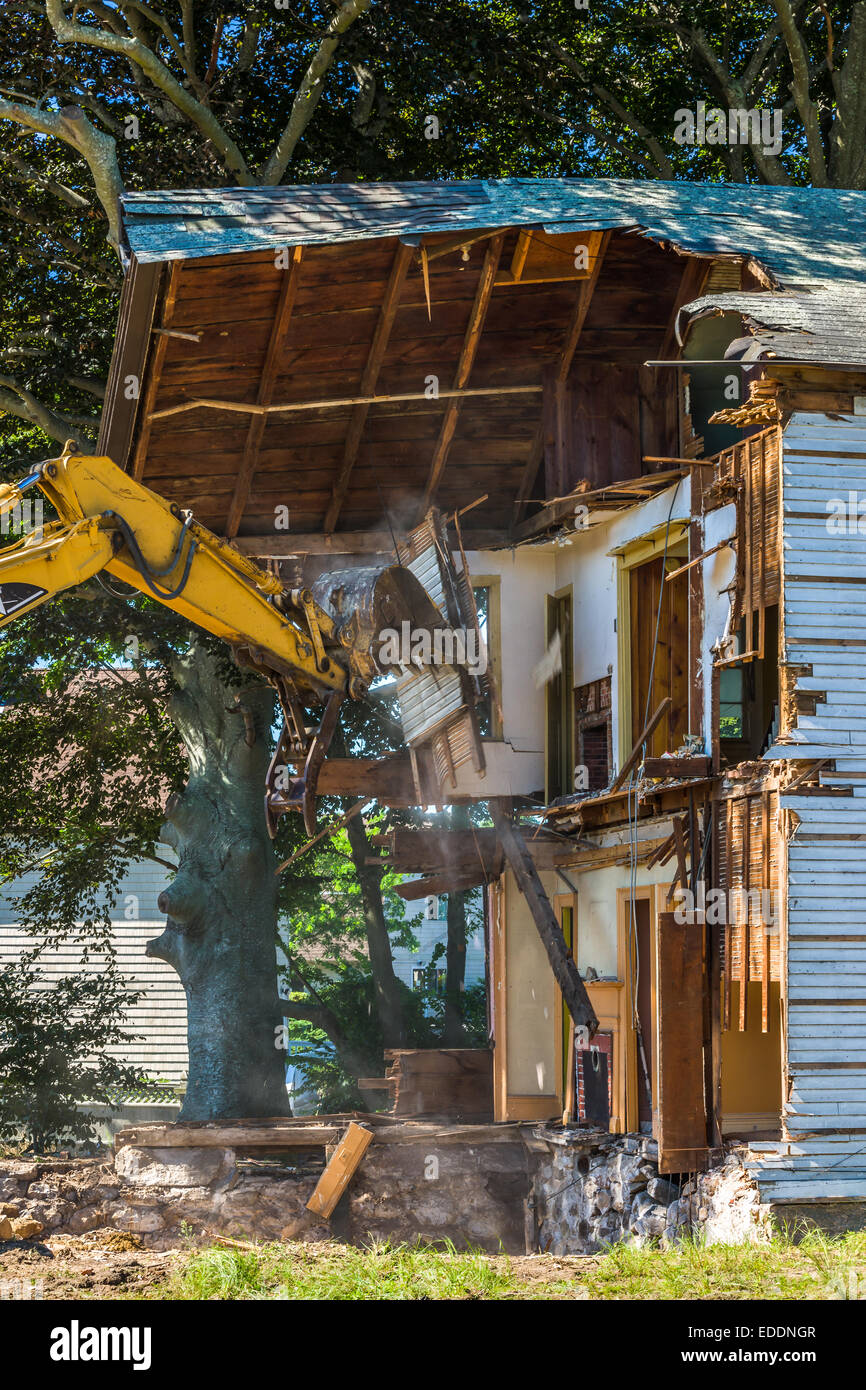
point(583, 299)
point(465, 364)
point(695, 272)
point(160, 348)
point(378, 347)
point(270, 370)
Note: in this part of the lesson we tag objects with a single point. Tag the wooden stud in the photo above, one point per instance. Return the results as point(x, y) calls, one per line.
point(583, 299)
point(729, 932)
point(569, 1097)
point(378, 347)
point(745, 948)
point(267, 381)
point(765, 934)
point(682, 876)
point(155, 372)
point(468, 353)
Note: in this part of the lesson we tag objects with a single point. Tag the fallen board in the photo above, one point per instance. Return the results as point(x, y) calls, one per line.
point(338, 1173)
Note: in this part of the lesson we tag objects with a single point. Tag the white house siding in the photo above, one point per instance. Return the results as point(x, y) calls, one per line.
point(430, 933)
point(160, 1015)
point(824, 625)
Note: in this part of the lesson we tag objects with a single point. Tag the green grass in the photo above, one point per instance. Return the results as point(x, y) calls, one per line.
point(780, 1269)
point(815, 1268)
point(340, 1272)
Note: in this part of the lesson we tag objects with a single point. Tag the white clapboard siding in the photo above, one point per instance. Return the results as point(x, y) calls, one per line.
point(157, 1022)
point(824, 626)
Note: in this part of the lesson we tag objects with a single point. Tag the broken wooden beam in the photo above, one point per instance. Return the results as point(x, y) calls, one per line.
point(279, 1134)
point(562, 962)
point(677, 767)
point(341, 1168)
point(634, 756)
point(448, 882)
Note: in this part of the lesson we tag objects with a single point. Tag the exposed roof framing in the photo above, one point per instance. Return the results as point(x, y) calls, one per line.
point(464, 367)
point(285, 305)
point(582, 300)
point(305, 386)
point(387, 313)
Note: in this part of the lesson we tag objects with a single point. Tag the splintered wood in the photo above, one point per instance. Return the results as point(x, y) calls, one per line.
point(749, 873)
point(339, 1171)
point(750, 471)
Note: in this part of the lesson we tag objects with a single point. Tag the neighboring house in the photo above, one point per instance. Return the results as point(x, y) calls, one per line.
point(431, 931)
point(157, 1022)
point(410, 966)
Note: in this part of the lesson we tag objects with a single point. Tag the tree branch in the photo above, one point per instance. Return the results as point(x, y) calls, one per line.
point(311, 88)
point(88, 384)
point(805, 106)
point(139, 55)
point(98, 149)
point(769, 167)
point(660, 159)
point(68, 243)
point(17, 400)
point(34, 179)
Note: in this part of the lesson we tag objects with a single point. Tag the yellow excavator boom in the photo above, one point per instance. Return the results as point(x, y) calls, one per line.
point(109, 521)
point(309, 650)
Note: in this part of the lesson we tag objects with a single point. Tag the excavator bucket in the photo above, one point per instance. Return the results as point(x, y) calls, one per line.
point(415, 621)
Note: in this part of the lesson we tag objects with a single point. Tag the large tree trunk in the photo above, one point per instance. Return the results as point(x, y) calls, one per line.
point(389, 1002)
point(220, 935)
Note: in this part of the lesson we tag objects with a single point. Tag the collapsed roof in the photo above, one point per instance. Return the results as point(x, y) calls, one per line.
point(354, 353)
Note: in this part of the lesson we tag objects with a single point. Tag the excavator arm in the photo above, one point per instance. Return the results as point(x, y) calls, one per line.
point(311, 654)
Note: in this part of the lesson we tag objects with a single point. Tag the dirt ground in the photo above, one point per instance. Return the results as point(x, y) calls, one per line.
point(100, 1264)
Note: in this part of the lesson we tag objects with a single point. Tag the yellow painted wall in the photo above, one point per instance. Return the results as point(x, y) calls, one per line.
point(752, 1061)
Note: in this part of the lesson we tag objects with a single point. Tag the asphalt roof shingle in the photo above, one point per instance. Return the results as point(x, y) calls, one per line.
point(811, 241)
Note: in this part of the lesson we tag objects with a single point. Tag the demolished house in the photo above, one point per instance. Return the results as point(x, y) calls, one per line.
point(634, 416)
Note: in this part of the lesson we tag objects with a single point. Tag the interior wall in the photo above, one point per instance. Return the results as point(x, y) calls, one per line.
point(718, 571)
point(752, 1065)
point(590, 567)
point(526, 577)
point(532, 1012)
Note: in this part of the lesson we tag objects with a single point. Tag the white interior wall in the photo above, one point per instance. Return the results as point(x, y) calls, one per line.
point(527, 576)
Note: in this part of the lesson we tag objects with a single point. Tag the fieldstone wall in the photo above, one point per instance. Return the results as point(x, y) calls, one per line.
point(558, 1192)
point(592, 1189)
point(472, 1194)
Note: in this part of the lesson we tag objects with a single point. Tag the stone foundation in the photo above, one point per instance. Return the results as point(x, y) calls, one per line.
point(472, 1194)
point(512, 1188)
point(593, 1189)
